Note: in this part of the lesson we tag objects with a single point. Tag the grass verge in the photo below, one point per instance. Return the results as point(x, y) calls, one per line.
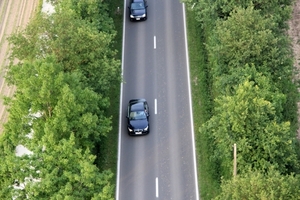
point(109, 144)
point(200, 83)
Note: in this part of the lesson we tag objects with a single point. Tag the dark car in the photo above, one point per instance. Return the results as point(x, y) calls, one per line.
point(138, 117)
point(138, 10)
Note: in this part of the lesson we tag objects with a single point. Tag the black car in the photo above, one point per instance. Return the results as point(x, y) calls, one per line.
point(138, 117)
point(138, 10)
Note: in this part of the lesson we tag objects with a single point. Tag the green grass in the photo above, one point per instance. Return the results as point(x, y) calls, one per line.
point(200, 83)
point(109, 144)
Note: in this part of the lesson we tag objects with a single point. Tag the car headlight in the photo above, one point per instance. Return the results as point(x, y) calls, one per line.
point(146, 129)
point(144, 15)
point(130, 130)
point(131, 16)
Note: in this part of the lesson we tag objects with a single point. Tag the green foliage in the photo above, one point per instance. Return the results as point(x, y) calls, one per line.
point(11, 168)
point(239, 75)
point(65, 69)
point(248, 118)
point(77, 176)
point(55, 170)
point(92, 11)
point(247, 51)
point(256, 185)
point(63, 103)
point(80, 46)
point(206, 10)
point(246, 37)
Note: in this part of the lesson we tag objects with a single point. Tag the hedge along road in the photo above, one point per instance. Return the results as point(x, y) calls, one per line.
point(14, 15)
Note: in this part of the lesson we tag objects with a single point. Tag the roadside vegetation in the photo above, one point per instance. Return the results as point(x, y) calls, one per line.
point(243, 90)
point(67, 79)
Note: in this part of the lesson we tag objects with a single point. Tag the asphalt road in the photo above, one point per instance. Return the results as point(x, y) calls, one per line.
point(160, 165)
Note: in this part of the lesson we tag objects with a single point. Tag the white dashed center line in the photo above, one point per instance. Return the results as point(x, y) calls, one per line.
point(155, 106)
point(156, 181)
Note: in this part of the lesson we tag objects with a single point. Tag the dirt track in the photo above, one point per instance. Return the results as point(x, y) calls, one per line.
point(294, 33)
point(14, 14)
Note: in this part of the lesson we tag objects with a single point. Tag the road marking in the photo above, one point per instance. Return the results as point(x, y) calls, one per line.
point(156, 183)
point(154, 42)
point(155, 106)
point(121, 106)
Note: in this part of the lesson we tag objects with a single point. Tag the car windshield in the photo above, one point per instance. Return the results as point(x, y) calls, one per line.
point(137, 115)
point(137, 6)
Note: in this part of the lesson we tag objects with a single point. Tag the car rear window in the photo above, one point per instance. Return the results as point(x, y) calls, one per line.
point(136, 6)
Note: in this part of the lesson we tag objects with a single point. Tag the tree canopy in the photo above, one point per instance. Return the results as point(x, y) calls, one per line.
point(62, 65)
point(256, 185)
point(248, 118)
point(206, 10)
point(247, 37)
point(248, 70)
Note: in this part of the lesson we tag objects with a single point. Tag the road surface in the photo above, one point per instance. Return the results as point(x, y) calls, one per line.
point(160, 165)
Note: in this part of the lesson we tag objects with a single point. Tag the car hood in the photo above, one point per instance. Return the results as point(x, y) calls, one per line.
point(138, 124)
point(138, 12)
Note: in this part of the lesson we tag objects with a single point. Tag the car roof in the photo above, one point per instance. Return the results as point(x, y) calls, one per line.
point(137, 1)
point(136, 104)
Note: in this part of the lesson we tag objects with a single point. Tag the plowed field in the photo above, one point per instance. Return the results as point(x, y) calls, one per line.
point(14, 14)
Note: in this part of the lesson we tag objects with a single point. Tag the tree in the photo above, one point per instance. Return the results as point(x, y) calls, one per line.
point(279, 10)
point(80, 46)
point(59, 120)
point(64, 71)
point(62, 102)
point(55, 170)
point(246, 37)
point(257, 185)
point(248, 118)
point(92, 11)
